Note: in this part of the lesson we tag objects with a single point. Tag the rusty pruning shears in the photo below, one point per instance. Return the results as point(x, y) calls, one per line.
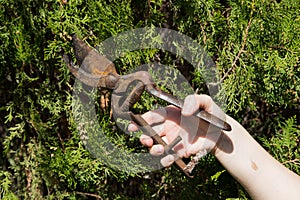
point(98, 71)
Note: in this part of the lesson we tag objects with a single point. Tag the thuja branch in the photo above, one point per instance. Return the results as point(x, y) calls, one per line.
point(237, 57)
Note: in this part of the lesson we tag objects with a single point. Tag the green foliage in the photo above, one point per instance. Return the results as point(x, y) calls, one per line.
point(284, 145)
point(255, 45)
point(5, 189)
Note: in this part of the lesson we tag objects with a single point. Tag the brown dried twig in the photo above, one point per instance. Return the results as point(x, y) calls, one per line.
point(237, 57)
point(294, 161)
point(90, 195)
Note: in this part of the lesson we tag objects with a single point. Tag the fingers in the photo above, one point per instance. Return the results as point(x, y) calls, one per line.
point(157, 119)
point(132, 127)
point(167, 160)
point(152, 117)
point(155, 116)
point(157, 150)
point(169, 122)
point(146, 140)
point(159, 116)
point(193, 103)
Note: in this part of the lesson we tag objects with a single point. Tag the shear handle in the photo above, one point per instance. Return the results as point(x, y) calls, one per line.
point(202, 114)
point(148, 130)
point(122, 102)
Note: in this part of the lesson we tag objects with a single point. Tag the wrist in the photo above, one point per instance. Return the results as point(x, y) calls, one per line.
point(225, 141)
point(219, 144)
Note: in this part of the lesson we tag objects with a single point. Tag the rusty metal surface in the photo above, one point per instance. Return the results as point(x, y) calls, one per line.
point(97, 71)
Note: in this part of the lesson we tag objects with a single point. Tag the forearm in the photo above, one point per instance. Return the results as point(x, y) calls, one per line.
point(259, 173)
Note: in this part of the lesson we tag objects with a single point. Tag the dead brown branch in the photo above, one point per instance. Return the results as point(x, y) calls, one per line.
point(237, 57)
point(89, 194)
point(294, 161)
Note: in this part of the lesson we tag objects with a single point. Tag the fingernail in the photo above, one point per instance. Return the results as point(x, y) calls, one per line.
point(147, 141)
point(170, 159)
point(167, 161)
point(131, 127)
point(160, 150)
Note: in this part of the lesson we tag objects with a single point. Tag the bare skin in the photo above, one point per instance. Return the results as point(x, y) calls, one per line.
point(261, 175)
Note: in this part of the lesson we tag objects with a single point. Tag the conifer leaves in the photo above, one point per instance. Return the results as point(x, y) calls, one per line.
point(284, 145)
point(254, 43)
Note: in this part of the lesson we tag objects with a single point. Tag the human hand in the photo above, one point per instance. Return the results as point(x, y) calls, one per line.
point(243, 157)
point(169, 122)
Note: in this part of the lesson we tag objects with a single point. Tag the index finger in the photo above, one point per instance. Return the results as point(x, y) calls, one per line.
point(151, 117)
point(155, 116)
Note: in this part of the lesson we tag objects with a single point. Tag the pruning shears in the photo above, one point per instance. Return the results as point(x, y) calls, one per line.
point(98, 71)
